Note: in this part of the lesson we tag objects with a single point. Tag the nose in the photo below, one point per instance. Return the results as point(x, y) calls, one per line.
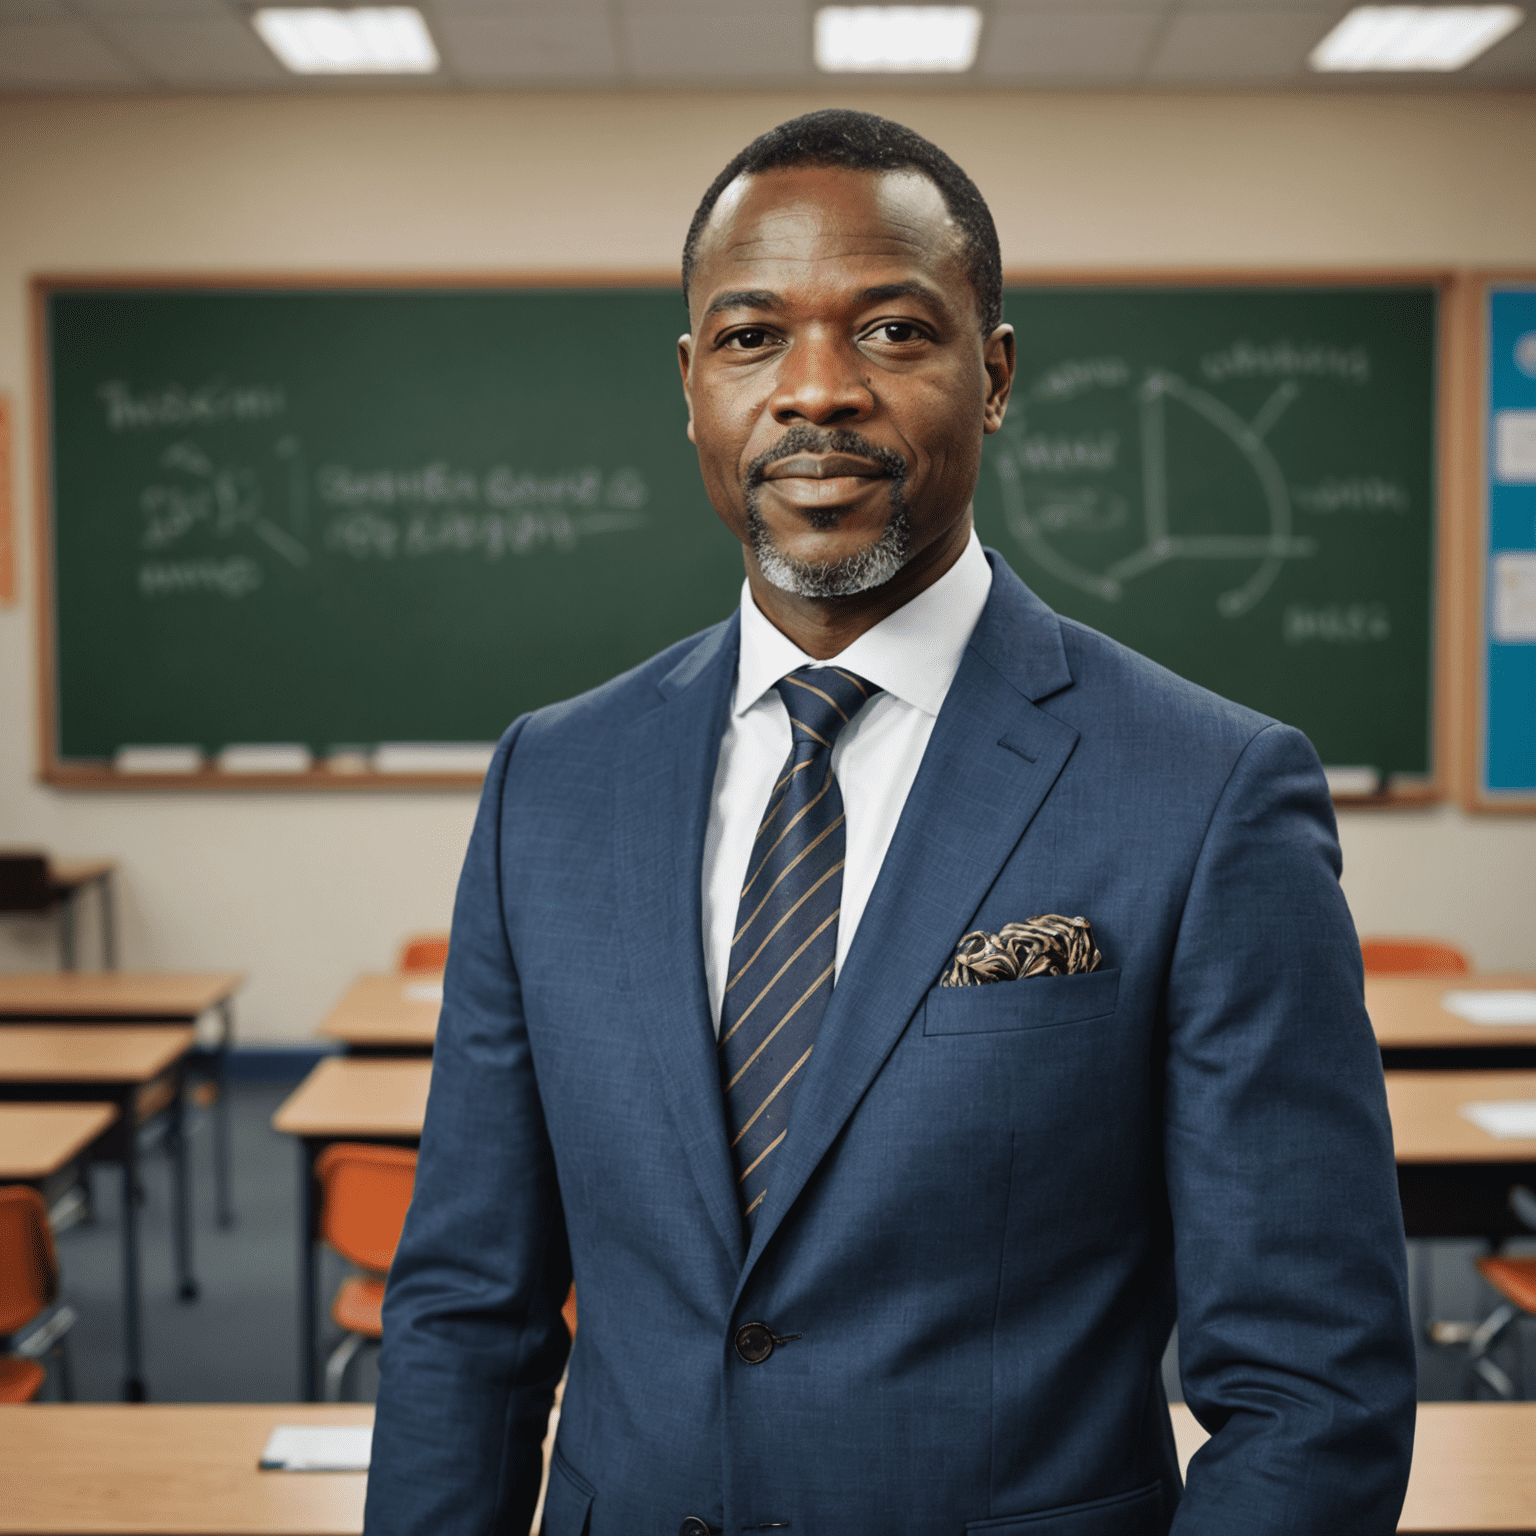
point(821, 380)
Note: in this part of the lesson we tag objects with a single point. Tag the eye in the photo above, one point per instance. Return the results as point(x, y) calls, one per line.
point(896, 332)
point(752, 339)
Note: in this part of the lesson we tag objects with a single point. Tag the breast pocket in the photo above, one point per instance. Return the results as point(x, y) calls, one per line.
point(1035, 1002)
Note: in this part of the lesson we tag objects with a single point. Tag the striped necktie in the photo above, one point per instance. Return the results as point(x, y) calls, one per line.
point(785, 944)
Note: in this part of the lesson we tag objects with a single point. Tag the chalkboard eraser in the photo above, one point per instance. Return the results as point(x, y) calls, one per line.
point(347, 760)
point(158, 760)
point(265, 757)
point(1353, 781)
point(434, 757)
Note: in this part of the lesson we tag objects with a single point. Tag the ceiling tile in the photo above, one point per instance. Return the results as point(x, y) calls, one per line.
point(217, 50)
point(44, 54)
point(1067, 45)
point(700, 46)
point(1512, 59)
point(527, 46)
point(1241, 43)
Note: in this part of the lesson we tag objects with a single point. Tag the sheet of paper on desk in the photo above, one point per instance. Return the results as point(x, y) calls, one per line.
point(318, 1448)
point(1508, 1119)
point(1492, 1007)
point(424, 992)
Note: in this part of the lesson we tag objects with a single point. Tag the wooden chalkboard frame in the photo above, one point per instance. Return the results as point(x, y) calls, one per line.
point(1472, 576)
point(1447, 600)
point(75, 775)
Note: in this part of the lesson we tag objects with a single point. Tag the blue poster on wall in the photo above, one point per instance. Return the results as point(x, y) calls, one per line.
point(1510, 667)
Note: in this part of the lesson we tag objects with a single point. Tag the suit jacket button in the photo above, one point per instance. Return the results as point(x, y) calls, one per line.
point(693, 1526)
point(754, 1342)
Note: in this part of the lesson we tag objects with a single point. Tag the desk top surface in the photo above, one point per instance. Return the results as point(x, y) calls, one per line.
point(348, 1096)
point(1428, 1126)
point(115, 994)
point(1474, 1466)
point(391, 1008)
point(91, 1053)
point(71, 873)
point(78, 1469)
point(1405, 1011)
point(36, 1140)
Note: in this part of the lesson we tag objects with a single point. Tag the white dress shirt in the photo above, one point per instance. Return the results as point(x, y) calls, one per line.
point(913, 655)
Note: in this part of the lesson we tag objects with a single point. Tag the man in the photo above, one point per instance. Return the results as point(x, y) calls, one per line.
point(857, 1253)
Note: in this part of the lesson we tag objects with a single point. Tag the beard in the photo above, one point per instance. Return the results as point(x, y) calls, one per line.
point(865, 569)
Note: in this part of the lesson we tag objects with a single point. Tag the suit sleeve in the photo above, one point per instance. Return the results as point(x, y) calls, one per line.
point(473, 1339)
point(1295, 1347)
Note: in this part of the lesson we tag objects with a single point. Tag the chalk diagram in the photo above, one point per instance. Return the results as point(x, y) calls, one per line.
point(1034, 508)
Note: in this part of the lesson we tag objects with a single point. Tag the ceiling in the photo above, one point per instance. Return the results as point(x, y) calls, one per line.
point(209, 45)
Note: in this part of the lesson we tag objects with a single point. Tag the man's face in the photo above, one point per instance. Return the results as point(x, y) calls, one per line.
point(837, 379)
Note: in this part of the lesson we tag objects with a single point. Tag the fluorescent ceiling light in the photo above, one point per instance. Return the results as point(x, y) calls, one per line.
point(1414, 37)
point(926, 39)
point(372, 40)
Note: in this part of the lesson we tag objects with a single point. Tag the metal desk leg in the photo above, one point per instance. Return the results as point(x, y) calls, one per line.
point(309, 1274)
point(221, 1131)
point(134, 1387)
point(67, 930)
point(181, 1165)
point(108, 904)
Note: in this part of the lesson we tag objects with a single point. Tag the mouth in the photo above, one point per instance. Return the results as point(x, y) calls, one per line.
point(825, 466)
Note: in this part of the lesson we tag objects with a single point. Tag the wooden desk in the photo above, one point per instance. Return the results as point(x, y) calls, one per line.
point(1414, 1031)
point(71, 878)
point(37, 1140)
point(1474, 1466)
point(345, 1098)
point(93, 1470)
point(140, 997)
point(378, 1013)
point(1453, 1177)
point(138, 1071)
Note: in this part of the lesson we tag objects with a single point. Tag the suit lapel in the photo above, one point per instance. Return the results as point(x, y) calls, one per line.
point(666, 778)
point(990, 763)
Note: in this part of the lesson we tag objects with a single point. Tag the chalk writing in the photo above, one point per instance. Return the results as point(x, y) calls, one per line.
point(1351, 493)
point(1335, 623)
point(1042, 453)
point(224, 497)
point(178, 405)
point(1075, 376)
point(1286, 360)
point(179, 578)
point(365, 534)
point(442, 485)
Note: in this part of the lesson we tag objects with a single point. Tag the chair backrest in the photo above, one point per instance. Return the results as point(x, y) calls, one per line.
point(1412, 957)
point(24, 883)
point(29, 1266)
point(365, 1193)
point(424, 952)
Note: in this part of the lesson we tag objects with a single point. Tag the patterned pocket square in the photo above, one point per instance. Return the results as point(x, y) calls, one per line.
point(1044, 946)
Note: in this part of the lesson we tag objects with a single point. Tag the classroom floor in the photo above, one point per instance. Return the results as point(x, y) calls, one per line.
point(238, 1341)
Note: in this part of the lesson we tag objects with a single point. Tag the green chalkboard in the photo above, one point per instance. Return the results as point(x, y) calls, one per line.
point(340, 516)
point(1239, 483)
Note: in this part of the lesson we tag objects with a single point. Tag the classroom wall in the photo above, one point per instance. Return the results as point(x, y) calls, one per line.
point(303, 890)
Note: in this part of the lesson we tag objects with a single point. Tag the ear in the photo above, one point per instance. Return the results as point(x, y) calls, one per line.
point(685, 367)
point(997, 355)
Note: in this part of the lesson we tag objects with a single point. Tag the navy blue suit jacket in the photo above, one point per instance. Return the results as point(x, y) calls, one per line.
point(992, 1202)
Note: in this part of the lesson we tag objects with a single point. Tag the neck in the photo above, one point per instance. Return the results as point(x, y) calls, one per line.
point(826, 626)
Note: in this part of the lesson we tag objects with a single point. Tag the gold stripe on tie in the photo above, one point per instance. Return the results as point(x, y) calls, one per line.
point(773, 809)
point(776, 1028)
point(858, 682)
point(809, 848)
point(814, 735)
point(745, 1173)
point(811, 688)
point(754, 1204)
point(772, 1096)
point(746, 964)
point(821, 928)
point(790, 827)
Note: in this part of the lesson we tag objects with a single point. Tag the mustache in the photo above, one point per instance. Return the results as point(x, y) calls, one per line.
point(808, 439)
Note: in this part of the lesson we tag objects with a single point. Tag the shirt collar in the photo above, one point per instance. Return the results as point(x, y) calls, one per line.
point(913, 653)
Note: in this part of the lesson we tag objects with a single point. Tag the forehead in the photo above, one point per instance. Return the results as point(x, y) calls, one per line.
point(809, 222)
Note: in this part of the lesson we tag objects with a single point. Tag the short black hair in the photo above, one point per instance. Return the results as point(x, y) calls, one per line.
point(860, 141)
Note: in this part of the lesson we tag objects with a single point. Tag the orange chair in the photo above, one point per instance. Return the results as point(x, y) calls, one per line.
point(1412, 957)
point(365, 1191)
point(33, 1318)
point(1515, 1280)
point(424, 952)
